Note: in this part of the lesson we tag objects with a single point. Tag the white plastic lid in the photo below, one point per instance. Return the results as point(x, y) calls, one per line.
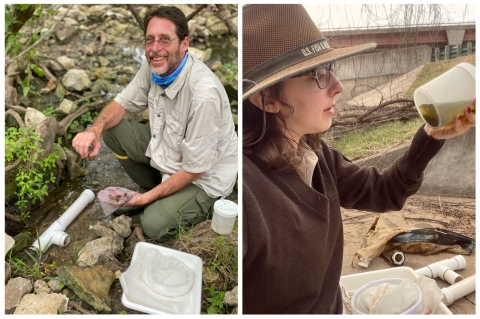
point(225, 208)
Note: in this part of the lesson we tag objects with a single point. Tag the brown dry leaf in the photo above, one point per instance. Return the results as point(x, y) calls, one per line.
point(51, 84)
point(99, 73)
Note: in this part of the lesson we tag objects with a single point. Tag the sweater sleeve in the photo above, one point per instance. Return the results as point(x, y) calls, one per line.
point(366, 188)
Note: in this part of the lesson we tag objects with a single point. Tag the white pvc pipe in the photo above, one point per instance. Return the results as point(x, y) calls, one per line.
point(458, 290)
point(55, 234)
point(444, 269)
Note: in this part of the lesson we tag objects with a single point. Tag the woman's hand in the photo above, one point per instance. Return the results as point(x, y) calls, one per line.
point(457, 127)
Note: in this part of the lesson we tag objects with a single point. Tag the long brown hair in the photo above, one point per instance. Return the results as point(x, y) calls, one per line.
point(275, 148)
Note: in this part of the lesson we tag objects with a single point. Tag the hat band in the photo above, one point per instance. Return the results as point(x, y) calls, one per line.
point(283, 61)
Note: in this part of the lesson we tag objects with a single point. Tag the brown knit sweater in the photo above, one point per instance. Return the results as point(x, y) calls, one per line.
point(293, 235)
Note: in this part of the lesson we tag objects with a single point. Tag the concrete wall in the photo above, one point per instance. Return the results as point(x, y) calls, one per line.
point(450, 173)
point(369, 71)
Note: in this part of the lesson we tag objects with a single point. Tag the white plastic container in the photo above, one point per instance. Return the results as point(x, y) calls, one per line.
point(441, 99)
point(224, 215)
point(351, 283)
point(137, 294)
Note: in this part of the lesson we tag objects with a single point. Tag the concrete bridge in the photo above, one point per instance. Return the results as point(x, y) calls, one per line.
point(389, 38)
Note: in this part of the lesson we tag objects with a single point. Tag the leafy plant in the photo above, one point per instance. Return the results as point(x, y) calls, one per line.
point(32, 184)
point(216, 301)
point(49, 111)
point(36, 270)
point(16, 41)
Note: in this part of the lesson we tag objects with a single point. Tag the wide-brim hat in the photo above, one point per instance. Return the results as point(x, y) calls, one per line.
point(280, 41)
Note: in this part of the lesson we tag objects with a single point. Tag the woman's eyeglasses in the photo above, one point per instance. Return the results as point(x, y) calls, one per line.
point(321, 74)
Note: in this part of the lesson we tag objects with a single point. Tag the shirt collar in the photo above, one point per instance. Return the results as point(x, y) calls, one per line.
point(172, 90)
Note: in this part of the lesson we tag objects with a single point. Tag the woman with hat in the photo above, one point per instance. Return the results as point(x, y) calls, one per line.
point(293, 183)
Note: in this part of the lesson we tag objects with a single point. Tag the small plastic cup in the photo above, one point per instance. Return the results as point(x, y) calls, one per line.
point(446, 96)
point(224, 215)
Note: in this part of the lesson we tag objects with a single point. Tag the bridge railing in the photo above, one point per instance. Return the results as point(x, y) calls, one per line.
point(450, 52)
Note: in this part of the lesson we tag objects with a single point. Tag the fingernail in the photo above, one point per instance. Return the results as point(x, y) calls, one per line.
point(469, 110)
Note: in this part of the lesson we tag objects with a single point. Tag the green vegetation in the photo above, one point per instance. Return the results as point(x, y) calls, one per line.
point(17, 41)
point(216, 301)
point(34, 269)
point(364, 142)
point(32, 183)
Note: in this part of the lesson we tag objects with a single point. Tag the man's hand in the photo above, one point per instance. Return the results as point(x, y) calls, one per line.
point(82, 142)
point(457, 127)
point(138, 200)
point(176, 182)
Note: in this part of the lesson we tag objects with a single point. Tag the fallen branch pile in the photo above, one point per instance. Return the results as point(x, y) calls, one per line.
point(393, 110)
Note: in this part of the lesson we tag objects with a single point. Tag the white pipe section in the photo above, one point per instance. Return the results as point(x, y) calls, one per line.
point(459, 290)
point(55, 234)
point(444, 269)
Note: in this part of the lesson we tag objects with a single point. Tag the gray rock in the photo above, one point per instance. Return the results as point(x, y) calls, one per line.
point(67, 107)
point(55, 66)
point(201, 55)
point(231, 297)
point(216, 27)
point(73, 13)
point(92, 284)
point(77, 80)
point(103, 61)
point(217, 65)
point(15, 289)
point(128, 69)
point(46, 129)
point(75, 170)
point(66, 62)
point(42, 304)
point(41, 287)
point(22, 241)
point(99, 250)
point(122, 225)
point(103, 231)
point(8, 272)
point(9, 242)
point(55, 285)
point(33, 117)
point(66, 29)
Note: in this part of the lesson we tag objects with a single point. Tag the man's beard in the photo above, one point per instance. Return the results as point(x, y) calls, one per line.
point(173, 61)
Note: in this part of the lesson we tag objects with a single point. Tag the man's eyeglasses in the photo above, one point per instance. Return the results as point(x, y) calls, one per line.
point(321, 74)
point(164, 41)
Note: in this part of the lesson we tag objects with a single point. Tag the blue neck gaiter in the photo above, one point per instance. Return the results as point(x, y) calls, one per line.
point(166, 80)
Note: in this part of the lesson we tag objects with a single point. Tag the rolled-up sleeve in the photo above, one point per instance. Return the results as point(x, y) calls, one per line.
point(201, 139)
point(134, 98)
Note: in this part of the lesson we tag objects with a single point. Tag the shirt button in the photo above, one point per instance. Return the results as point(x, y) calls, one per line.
point(162, 95)
point(158, 115)
point(154, 136)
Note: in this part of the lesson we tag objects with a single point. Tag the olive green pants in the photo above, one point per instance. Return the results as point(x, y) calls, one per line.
point(163, 218)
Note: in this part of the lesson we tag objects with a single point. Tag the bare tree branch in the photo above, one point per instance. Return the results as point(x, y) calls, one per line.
point(227, 19)
point(16, 116)
point(194, 13)
point(136, 15)
point(44, 36)
point(16, 108)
